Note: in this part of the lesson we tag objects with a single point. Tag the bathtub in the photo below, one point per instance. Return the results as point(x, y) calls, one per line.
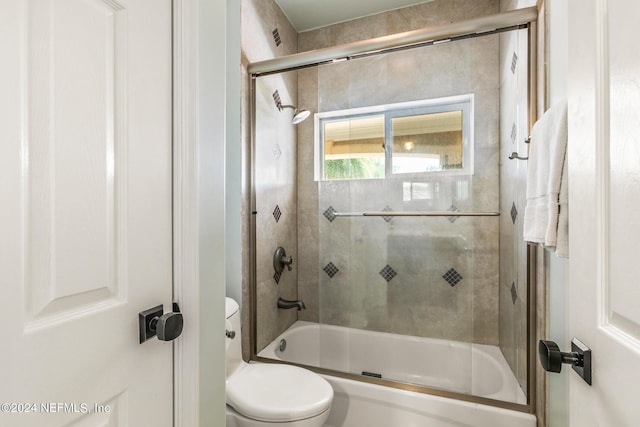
point(475, 369)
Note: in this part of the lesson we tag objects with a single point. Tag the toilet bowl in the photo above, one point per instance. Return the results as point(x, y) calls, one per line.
point(266, 394)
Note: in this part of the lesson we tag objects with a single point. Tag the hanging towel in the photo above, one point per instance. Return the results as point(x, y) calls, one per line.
point(546, 213)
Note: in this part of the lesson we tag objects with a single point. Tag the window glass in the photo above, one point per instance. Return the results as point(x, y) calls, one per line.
point(427, 142)
point(354, 148)
point(415, 137)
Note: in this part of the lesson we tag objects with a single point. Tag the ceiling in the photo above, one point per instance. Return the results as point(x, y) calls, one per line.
point(307, 15)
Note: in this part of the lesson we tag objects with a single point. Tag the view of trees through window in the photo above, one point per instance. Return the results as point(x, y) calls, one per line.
point(357, 168)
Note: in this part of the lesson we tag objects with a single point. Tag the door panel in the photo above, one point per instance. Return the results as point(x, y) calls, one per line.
point(604, 182)
point(85, 167)
point(621, 118)
point(71, 208)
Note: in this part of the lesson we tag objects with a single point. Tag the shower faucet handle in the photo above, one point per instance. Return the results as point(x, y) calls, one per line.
point(280, 260)
point(287, 260)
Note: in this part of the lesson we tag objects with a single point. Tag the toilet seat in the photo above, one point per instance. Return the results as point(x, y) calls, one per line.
point(278, 393)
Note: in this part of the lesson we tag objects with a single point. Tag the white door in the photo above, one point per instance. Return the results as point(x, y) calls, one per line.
point(604, 208)
point(85, 211)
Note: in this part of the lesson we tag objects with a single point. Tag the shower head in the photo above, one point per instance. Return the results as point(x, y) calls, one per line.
point(298, 115)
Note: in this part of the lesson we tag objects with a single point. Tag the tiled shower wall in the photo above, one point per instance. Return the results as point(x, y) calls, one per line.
point(513, 174)
point(435, 277)
point(266, 33)
point(384, 306)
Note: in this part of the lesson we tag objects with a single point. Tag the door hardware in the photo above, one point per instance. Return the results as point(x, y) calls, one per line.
point(551, 358)
point(166, 326)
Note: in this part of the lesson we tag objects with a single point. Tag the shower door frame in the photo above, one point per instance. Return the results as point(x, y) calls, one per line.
point(478, 27)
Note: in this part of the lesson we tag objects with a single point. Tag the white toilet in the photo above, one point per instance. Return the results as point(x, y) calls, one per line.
point(264, 394)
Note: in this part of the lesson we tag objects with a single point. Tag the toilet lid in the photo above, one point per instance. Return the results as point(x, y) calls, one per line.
point(230, 307)
point(278, 393)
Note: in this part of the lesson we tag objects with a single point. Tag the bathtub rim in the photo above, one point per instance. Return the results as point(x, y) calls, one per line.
point(373, 392)
point(405, 386)
point(486, 352)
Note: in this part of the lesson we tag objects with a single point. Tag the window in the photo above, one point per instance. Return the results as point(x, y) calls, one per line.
point(431, 136)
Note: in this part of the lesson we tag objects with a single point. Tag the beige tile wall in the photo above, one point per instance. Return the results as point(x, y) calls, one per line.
point(420, 303)
point(275, 166)
point(417, 301)
point(513, 173)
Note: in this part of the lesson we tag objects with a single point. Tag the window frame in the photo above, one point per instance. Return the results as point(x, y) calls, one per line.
point(464, 103)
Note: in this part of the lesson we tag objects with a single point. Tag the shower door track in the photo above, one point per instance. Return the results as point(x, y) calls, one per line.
point(493, 24)
point(477, 27)
point(414, 213)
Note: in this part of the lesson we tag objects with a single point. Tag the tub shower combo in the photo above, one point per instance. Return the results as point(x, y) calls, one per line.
point(385, 228)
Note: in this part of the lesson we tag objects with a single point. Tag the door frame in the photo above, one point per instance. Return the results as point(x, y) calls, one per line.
point(204, 44)
point(186, 400)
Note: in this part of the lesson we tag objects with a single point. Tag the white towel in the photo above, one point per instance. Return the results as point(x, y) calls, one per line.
point(546, 213)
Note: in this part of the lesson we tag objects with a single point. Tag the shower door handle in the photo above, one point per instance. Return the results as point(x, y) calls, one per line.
point(551, 358)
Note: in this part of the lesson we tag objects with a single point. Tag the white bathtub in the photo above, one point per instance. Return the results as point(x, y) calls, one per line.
point(466, 368)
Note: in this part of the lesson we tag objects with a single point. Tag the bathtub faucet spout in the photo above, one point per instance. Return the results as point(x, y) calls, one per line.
point(286, 304)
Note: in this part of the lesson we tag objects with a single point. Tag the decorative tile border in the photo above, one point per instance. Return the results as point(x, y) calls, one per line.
point(276, 37)
point(452, 277)
point(277, 213)
point(276, 151)
point(453, 219)
point(330, 214)
point(388, 273)
point(387, 209)
point(331, 269)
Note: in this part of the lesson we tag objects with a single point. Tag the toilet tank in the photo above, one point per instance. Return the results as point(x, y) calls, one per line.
point(233, 346)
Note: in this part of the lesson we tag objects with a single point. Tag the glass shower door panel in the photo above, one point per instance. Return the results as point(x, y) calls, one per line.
point(334, 288)
point(427, 283)
point(412, 299)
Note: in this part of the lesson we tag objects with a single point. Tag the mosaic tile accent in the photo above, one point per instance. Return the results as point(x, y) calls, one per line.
point(514, 213)
point(514, 62)
point(277, 277)
point(514, 292)
point(276, 37)
point(277, 151)
point(277, 213)
point(331, 269)
point(453, 219)
point(276, 98)
point(387, 209)
point(388, 273)
point(330, 214)
point(452, 277)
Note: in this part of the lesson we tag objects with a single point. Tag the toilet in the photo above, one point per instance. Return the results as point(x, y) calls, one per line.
point(266, 394)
